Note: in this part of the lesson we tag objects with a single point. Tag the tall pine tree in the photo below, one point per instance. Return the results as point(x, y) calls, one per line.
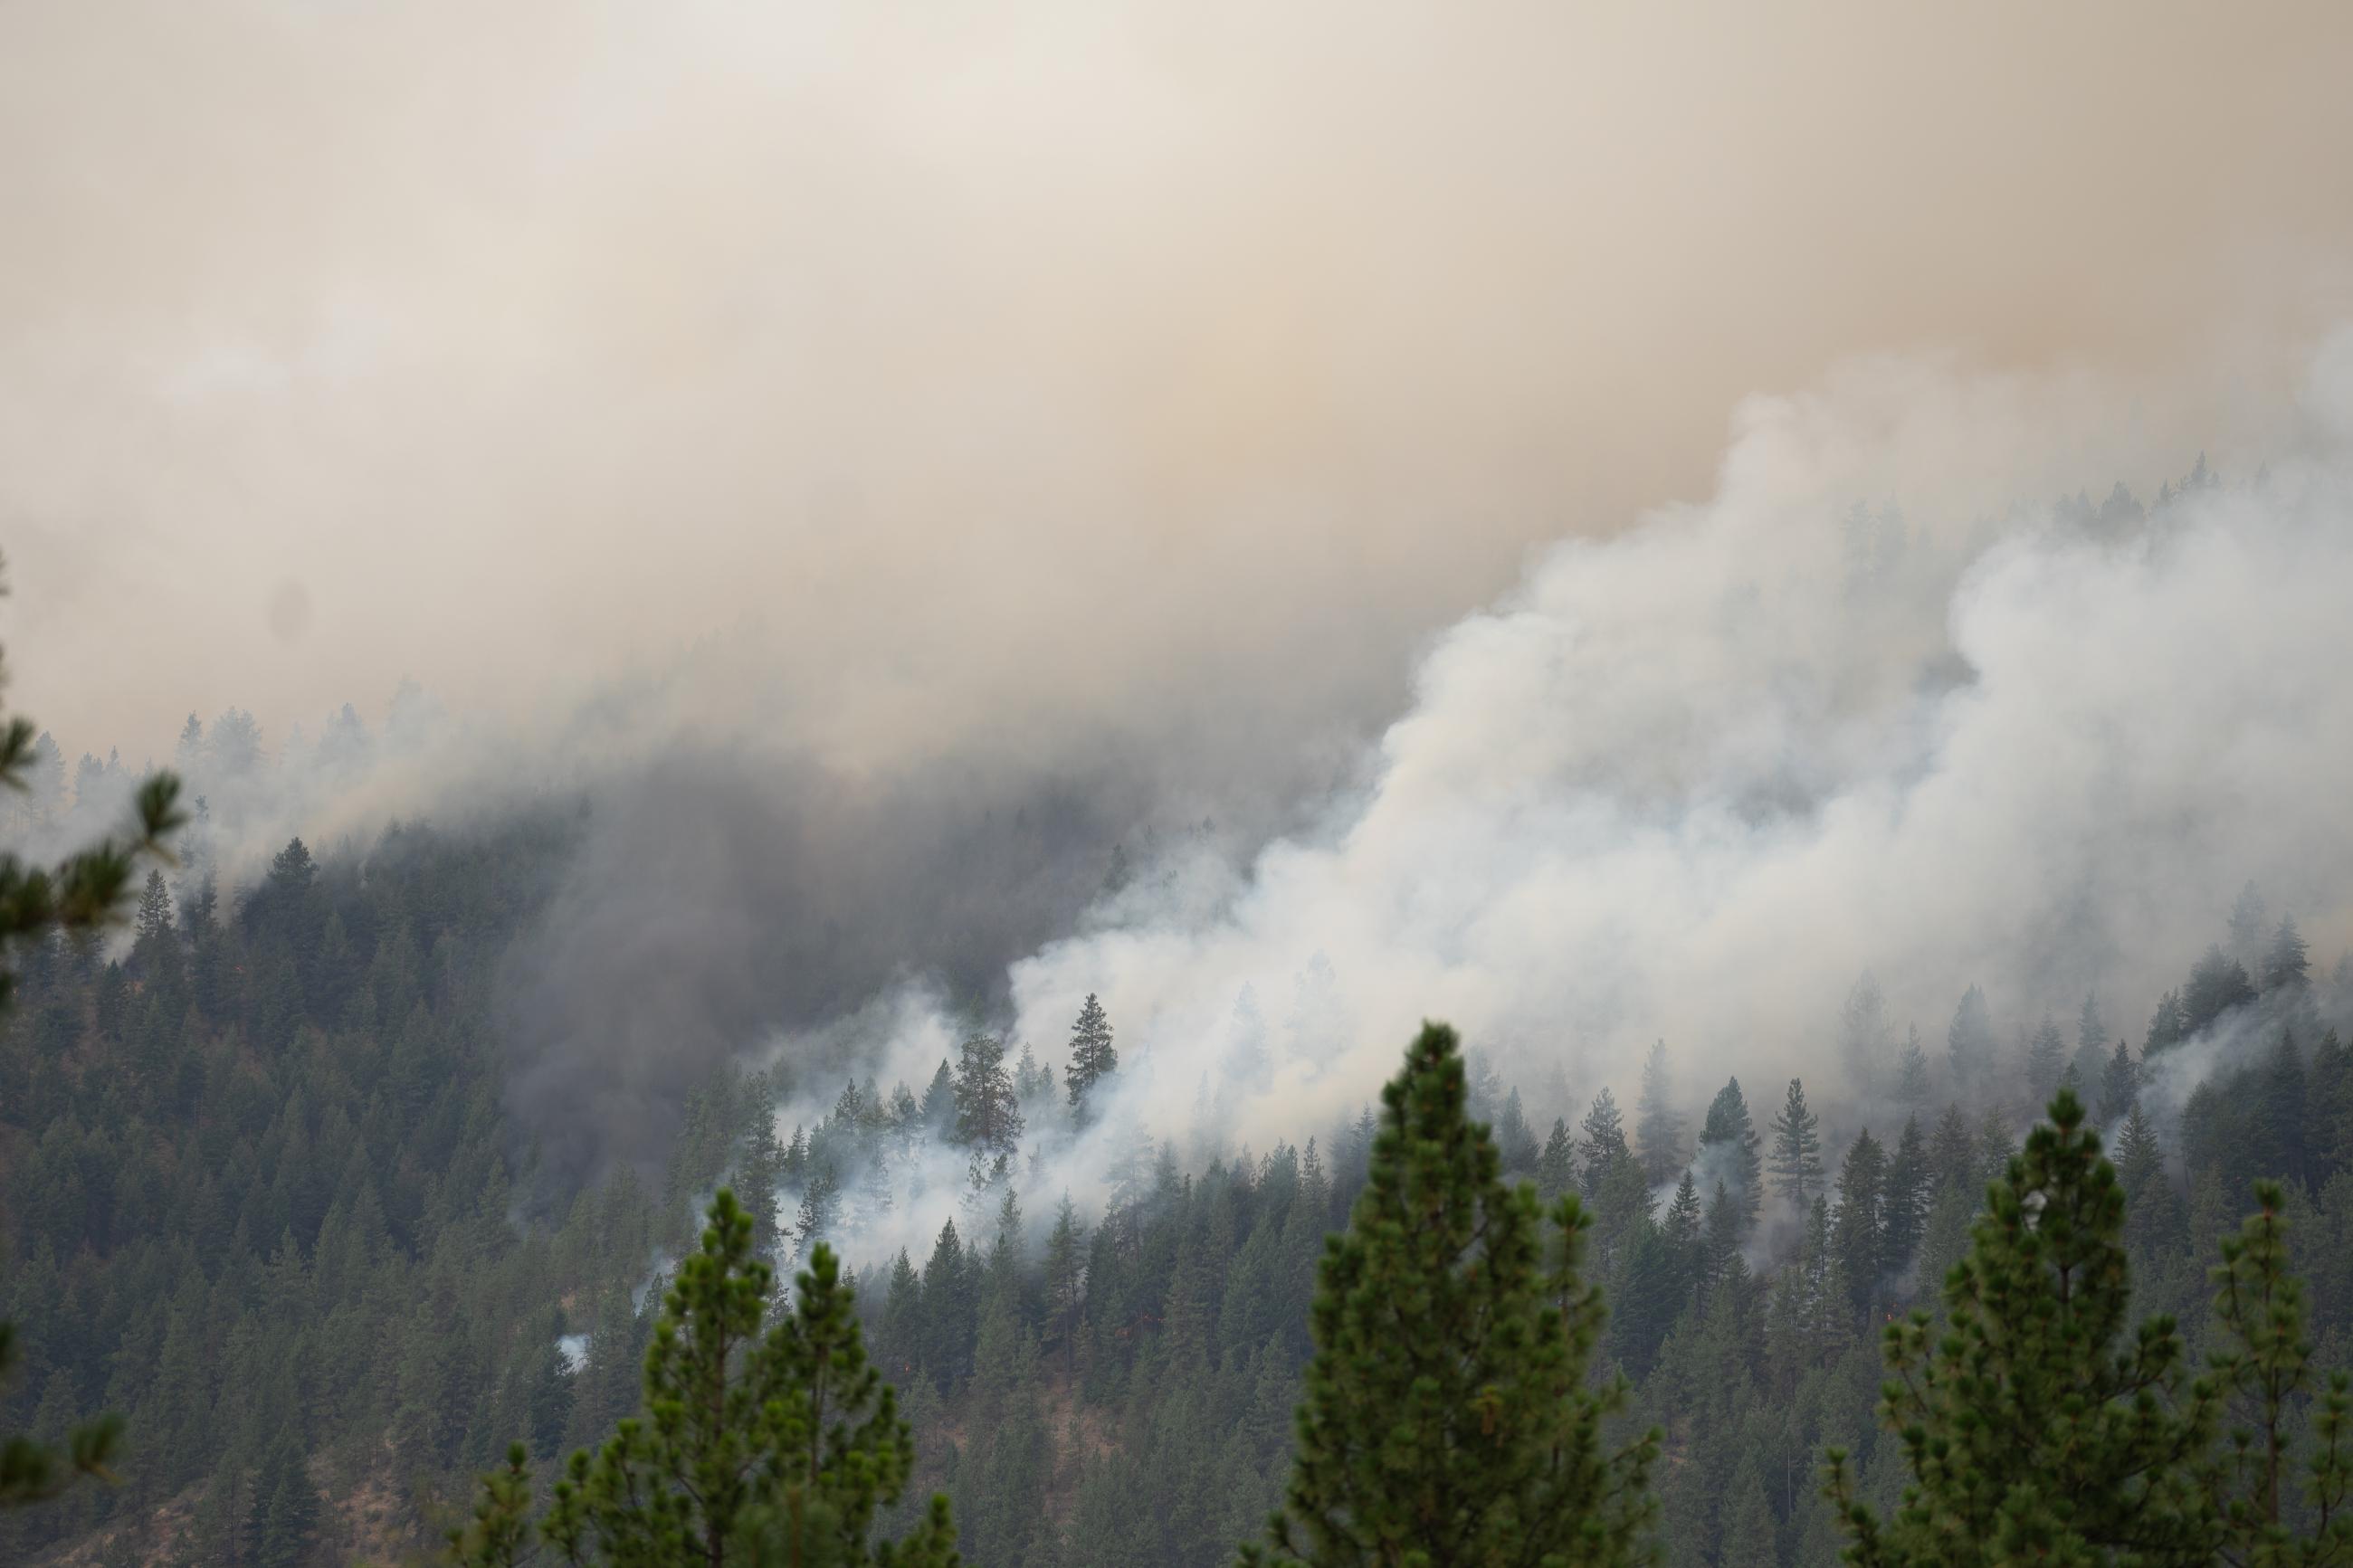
point(1448, 1419)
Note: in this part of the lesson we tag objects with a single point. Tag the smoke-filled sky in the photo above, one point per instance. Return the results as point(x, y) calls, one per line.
point(1023, 370)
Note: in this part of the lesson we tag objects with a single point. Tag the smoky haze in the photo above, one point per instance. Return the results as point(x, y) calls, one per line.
point(1020, 370)
point(890, 458)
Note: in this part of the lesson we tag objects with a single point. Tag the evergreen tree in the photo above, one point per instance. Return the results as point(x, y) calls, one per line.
point(2091, 1058)
point(1092, 1058)
point(2119, 1083)
point(2165, 1029)
point(2029, 1431)
point(1903, 1202)
point(1603, 1144)
point(938, 1108)
point(2218, 983)
point(2285, 966)
point(1514, 1141)
point(1969, 1043)
point(1912, 1073)
point(1720, 1239)
point(761, 1443)
point(1860, 1234)
point(1448, 1420)
point(2265, 1363)
point(1729, 1137)
point(1556, 1166)
point(987, 1112)
point(285, 1503)
point(2046, 1060)
point(2250, 927)
point(154, 918)
point(1658, 1126)
point(1952, 1153)
point(1796, 1163)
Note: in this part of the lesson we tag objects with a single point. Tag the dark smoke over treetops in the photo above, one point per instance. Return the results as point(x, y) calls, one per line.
point(720, 898)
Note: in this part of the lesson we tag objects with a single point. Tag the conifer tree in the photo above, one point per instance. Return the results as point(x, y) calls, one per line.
point(1903, 1201)
point(1912, 1073)
point(760, 1443)
point(1969, 1043)
point(2046, 1060)
point(1603, 1142)
point(2119, 1083)
point(1797, 1159)
point(1092, 1058)
point(1556, 1166)
point(1658, 1127)
point(2266, 1365)
point(2285, 965)
point(1514, 1141)
point(2091, 1055)
point(1449, 1421)
point(1720, 1240)
point(987, 1112)
point(2034, 1427)
point(1730, 1137)
point(1861, 1235)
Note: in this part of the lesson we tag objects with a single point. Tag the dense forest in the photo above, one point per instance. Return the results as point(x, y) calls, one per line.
point(262, 1200)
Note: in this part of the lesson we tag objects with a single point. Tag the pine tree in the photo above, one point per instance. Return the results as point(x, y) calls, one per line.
point(1860, 1234)
point(154, 918)
point(1448, 1420)
point(1720, 1239)
point(1091, 1056)
point(2046, 1060)
point(1903, 1202)
point(761, 1443)
point(2119, 1083)
point(1952, 1153)
point(2166, 1028)
point(2250, 927)
point(1513, 1141)
point(2265, 1363)
point(1658, 1127)
point(1556, 1166)
point(1912, 1073)
point(938, 1107)
point(2286, 966)
point(285, 1503)
point(1603, 1142)
point(2091, 1058)
point(821, 1201)
point(1066, 1282)
point(2030, 1432)
point(1796, 1163)
point(1969, 1043)
point(1729, 1137)
point(987, 1112)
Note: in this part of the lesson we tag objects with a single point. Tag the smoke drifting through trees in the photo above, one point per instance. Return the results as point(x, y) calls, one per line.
point(1860, 712)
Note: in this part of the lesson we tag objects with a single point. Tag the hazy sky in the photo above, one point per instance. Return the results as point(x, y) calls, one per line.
point(990, 367)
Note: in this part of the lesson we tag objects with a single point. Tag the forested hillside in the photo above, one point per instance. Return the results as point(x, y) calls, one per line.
point(263, 1200)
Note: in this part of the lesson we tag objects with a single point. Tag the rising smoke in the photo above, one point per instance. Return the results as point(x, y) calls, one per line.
point(1856, 711)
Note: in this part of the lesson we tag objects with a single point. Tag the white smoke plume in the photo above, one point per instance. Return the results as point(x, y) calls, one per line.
point(1857, 710)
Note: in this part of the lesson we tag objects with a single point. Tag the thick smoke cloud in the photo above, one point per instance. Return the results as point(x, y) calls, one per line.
point(1856, 711)
point(1022, 371)
point(719, 897)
